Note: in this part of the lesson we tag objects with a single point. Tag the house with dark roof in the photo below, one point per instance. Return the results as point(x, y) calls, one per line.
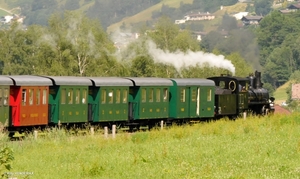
point(285, 11)
point(294, 7)
point(291, 8)
point(251, 20)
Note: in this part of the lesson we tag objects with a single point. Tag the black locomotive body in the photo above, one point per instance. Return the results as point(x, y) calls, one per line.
point(235, 95)
point(259, 100)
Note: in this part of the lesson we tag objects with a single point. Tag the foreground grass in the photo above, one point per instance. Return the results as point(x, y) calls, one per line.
point(253, 148)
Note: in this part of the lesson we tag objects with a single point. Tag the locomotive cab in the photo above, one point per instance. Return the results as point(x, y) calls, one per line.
point(231, 95)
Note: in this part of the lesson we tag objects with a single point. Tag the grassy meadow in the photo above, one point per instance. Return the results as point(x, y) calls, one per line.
point(266, 147)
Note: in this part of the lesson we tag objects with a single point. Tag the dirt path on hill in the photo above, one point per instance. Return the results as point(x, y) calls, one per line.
point(6, 10)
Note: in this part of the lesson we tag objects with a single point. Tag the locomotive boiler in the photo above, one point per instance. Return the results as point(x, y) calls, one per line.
point(258, 97)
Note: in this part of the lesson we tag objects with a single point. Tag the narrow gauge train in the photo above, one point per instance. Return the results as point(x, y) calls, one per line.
point(38, 101)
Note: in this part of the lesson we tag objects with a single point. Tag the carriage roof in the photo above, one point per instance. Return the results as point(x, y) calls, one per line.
point(70, 80)
point(111, 81)
point(193, 82)
point(28, 80)
point(150, 81)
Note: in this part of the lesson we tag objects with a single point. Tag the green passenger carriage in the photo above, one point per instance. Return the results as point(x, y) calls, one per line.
point(192, 98)
point(108, 99)
point(5, 83)
point(68, 101)
point(149, 98)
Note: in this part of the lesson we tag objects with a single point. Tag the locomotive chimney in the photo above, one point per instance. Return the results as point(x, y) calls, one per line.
point(258, 79)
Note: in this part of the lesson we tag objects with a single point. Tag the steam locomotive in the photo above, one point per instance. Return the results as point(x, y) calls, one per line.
point(235, 95)
point(39, 101)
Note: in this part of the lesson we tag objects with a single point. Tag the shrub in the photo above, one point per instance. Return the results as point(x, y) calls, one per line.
point(6, 156)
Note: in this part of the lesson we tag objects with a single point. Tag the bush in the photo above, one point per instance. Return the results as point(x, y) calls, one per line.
point(6, 156)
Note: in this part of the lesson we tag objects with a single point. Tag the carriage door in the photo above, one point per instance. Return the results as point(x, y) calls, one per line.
point(132, 103)
point(194, 102)
point(198, 102)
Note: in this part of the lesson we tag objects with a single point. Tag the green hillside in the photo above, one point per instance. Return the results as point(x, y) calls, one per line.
point(280, 93)
point(3, 13)
point(146, 14)
point(3, 7)
point(6, 10)
point(3, 4)
point(208, 25)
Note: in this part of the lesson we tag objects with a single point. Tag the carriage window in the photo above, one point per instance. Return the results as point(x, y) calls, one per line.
point(182, 95)
point(0, 97)
point(118, 96)
point(103, 96)
point(222, 84)
point(110, 96)
point(83, 96)
point(194, 96)
point(143, 95)
point(77, 97)
point(30, 96)
point(125, 96)
point(157, 95)
point(166, 94)
point(5, 99)
point(151, 95)
point(209, 95)
point(70, 96)
point(63, 96)
point(23, 97)
point(38, 95)
point(44, 96)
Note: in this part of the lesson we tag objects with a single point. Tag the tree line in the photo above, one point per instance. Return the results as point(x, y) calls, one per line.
point(278, 37)
point(73, 44)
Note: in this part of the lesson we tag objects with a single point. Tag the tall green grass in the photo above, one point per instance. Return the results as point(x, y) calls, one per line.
point(266, 147)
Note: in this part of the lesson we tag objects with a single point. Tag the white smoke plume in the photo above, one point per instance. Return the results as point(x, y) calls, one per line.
point(180, 59)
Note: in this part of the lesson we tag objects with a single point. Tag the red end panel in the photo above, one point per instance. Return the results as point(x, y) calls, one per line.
point(15, 101)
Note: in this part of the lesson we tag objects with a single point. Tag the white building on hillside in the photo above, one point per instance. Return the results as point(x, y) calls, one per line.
point(240, 15)
point(7, 19)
